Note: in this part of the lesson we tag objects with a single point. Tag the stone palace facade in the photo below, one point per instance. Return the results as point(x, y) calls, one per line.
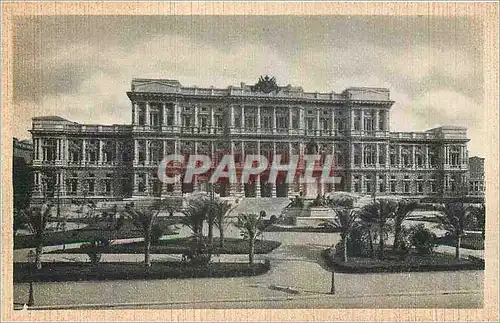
point(110, 162)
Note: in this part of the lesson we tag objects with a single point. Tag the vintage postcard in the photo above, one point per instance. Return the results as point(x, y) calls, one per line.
point(277, 161)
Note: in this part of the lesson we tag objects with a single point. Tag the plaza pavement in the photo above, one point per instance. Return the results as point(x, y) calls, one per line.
point(295, 264)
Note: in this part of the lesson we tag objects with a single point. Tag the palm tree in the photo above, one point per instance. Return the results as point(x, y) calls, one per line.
point(376, 217)
point(454, 218)
point(250, 225)
point(144, 217)
point(403, 209)
point(344, 221)
point(38, 218)
point(195, 215)
point(480, 216)
point(221, 209)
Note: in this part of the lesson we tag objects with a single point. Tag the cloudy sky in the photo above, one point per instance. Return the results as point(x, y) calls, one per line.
point(81, 67)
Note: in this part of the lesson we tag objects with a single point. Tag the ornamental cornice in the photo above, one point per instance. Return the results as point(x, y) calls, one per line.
point(176, 96)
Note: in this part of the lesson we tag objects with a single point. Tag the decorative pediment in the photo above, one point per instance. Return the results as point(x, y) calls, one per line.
point(157, 87)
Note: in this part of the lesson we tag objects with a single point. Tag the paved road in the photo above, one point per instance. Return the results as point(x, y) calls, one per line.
point(295, 264)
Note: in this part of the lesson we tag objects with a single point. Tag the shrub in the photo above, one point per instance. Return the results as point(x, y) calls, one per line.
point(94, 249)
point(156, 233)
point(342, 201)
point(423, 239)
point(273, 219)
point(357, 242)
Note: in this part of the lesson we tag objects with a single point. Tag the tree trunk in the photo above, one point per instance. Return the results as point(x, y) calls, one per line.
point(38, 256)
point(147, 247)
point(251, 251)
point(397, 233)
point(332, 288)
point(210, 232)
point(381, 243)
point(457, 247)
point(370, 240)
point(345, 248)
point(221, 236)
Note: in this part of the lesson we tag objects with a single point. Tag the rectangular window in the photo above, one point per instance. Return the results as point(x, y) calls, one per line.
point(393, 187)
point(237, 122)
point(420, 187)
point(406, 187)
point(170, 120)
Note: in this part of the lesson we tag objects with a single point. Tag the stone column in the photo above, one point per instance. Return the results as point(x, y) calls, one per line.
point(58, 148)
point(274, 119)
point(332, 126)
point(258, 118)
point(413, 164)
point(136, 151)
point(135, 113)
point(387, 156)
point(400, 162)
point(362, 183)
point(177, 116)
point(212, 119)
point(426, 156)
point(377, 154)
point(257, 182)
point(352, 154)
point(100, 159)
point(318, 126)
point(352, 120)
point(148, 116)
point(164, 114)
point(243, 117)
point(301, 118)
point(232, 116)
point(66, 150)
point(362, 145)
point(146, 144)
point(362, 116)
point(290, 117)
point(136, 184)
point(196, 117)
point(377, 120)
point(84, 151)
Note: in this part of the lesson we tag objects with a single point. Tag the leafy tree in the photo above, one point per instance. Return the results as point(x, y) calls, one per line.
point(37, 218)
point(376, 216)
point(344, 221)
point(251, 226)
point(479, 213)
point(195, 216)
point(454, 218)
point(221, 209)
point(403, 209)
point(144, 217)
point(423, 239)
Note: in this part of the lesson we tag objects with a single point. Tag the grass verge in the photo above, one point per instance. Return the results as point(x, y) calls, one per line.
point(472, 241)
point(82, 271)
point(183, 245)
point(392, 264)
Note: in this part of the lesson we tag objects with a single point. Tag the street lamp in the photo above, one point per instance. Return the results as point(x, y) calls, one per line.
point(31, 261)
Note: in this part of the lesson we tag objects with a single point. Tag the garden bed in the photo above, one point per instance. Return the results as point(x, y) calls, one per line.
point(87, 234)
point(81, 271)
point(394, 263)
point(183, 245)
point(472, 241)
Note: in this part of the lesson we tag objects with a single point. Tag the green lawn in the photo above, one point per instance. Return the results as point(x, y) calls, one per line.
point(473, 241)
point(57, 272)
point(182, 245)
point(97, 230)
point(394, 263)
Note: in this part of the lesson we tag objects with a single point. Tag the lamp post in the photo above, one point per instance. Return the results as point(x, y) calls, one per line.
point(31, 262)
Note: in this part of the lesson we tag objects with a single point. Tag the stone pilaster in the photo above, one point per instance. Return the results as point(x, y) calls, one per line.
point(148, 115)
